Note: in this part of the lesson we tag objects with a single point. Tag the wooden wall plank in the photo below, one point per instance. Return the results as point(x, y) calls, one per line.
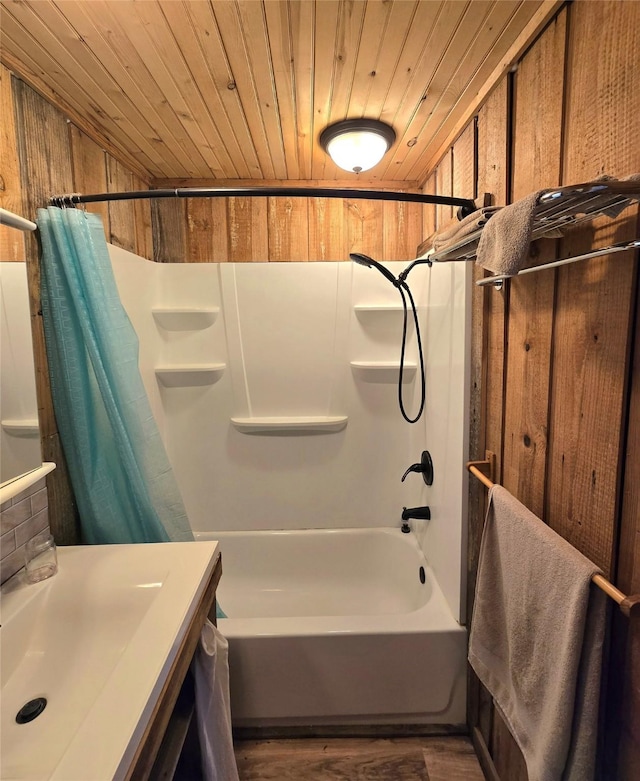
point(12, 242)
point(248, 233)
point(43, 138)
point(288, 228)
point(493, 166)
point(428, 210)
point(200, 234)
point(622, 736)
point(169, 221)
point(538, 106)
point(488, 312)
point(121, 214)
point(142, 221)
point(326, 229)
point(207, 230)
point(402, 229)
point(363, 220)
point(464, 164)
point(283, 229)
point(444, 173)
point(507, 757)
point(594, 299)
point(628, 575)
point(90, 172)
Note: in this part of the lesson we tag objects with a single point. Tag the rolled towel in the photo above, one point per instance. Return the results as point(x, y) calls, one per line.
point(459, 229)
point(504, 242)
point(615, 209)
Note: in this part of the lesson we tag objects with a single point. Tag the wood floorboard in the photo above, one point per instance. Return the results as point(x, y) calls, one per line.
point(452, 759)
point(343, 759)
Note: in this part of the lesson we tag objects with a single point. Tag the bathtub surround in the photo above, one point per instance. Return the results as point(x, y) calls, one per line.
point(322, 345)
point(445, 429)
point(275, 390)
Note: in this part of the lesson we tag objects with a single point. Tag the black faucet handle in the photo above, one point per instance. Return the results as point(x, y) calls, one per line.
point(412, 468)
point(425, 468)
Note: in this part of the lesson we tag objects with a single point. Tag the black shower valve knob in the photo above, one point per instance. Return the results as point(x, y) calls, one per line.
point(425, 468)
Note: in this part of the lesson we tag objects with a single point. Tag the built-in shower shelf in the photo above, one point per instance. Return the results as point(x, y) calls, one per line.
point(383, 371)
point(290, 425)
point(21, 428)
point(377, 309)
point(185, 318)
point(186, 376)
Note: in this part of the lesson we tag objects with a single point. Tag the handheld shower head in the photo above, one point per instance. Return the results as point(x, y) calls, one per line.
point(365, 260)
point(400, 283)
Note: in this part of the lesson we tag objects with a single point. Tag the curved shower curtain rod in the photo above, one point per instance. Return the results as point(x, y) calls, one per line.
point(466, 205)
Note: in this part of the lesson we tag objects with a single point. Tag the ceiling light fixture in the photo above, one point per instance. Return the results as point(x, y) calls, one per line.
point(357, 144)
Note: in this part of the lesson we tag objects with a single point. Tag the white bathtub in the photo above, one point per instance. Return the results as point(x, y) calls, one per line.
point(335, 627)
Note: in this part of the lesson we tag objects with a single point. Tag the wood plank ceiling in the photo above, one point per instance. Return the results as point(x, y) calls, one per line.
point(241, 89)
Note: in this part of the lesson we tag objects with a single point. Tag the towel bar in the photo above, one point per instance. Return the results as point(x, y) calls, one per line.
point(628, 604)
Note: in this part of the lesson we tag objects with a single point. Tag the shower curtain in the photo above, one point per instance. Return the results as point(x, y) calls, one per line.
point(119, 470)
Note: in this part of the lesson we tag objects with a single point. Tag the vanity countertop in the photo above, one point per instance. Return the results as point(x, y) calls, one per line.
point(99, 641)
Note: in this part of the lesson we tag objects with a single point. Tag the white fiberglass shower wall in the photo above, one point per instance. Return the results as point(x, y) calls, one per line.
point(275, 389)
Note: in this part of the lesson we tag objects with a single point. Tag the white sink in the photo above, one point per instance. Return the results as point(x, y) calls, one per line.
point(97, 641)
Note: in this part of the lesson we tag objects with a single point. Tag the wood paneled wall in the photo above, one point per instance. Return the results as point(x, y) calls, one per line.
point(43, 155)
point(556, 389)
point(241, 229)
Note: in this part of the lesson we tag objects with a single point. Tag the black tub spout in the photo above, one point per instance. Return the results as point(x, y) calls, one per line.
point(419, 513)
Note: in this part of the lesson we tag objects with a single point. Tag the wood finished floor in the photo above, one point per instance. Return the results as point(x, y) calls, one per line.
point(358, 759)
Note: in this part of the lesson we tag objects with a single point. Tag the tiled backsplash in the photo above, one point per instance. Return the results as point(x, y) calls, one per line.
point(21, 518)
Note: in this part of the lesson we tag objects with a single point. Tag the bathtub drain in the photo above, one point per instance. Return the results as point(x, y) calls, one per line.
point(31, 710)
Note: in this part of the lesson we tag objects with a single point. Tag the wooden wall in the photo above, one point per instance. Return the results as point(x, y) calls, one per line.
point(240, 229)
point(556, 388)
point(43, 155)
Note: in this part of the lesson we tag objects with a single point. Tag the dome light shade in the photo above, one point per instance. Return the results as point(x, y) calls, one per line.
point(357, 144)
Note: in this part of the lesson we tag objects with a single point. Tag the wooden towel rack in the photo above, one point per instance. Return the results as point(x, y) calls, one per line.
point(629, 605)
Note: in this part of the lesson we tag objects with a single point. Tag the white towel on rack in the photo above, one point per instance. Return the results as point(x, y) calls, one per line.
point(536, 639)
point(213, 711)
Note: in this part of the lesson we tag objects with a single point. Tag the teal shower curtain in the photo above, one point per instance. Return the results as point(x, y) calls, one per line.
point(119, 470)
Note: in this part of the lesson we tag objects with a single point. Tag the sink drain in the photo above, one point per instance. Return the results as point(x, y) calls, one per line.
point(31, 710)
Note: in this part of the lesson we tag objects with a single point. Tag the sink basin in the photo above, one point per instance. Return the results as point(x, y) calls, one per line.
point(97, 640)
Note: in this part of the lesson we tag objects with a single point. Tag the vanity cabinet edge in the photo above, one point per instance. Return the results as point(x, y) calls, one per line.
point(145, 757)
